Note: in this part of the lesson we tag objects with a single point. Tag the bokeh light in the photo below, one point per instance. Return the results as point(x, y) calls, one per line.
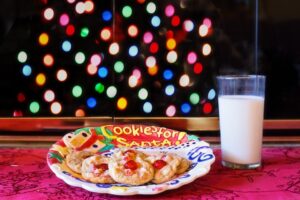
point(194, 98)
point(206, 49)
point(48, 60)
point(148, 37)
point(155, 21)
point(95, 59)
point(127, 11)
point(79, 58)
point(114, 48)
point(34, 107)
point(133, 50)
point(151, 8)
point(43, 39)
point(48, 14)
point(84, 32)
point(79, 113)
point(133, 30)
point(64, 19)
point(170, 90)
point(91, 102)
point(171, 111)
point(40, 79)
point(77, 91)
point(203, 30)
point(92, 69)
point(49, 95)
point(105, 34)
point(119, 66)
point(141, 53)
point(26, 70)
point(111, 91)
point(66, 46)
point(99, 87)
point(147, 107)
point(22, 56)
point(143, 93)
point(61, 75)
point(102, 72)
point(107, 15)
point(172, 57)
point(122, 103)
point(168, 74)
point(169, 10)
point(185, 108)
point(56, 108)
point(188, 25)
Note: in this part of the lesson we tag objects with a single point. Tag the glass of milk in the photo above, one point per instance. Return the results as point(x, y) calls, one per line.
point(241, 114)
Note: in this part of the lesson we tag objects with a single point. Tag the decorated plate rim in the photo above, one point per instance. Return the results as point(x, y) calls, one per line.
point(198, 148)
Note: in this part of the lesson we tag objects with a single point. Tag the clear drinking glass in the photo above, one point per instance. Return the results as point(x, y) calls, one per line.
point(241, 114)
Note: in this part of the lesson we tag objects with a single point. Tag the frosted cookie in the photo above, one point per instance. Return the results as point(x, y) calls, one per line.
point(75, 158)
point(165, 166)
point(95, 169)
point(183, 166)
point(129, 167)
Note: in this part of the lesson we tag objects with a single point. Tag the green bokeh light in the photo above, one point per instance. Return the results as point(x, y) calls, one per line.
point(127, 11)
point(119, 66)
point(34, 107)
point(194, 98)
point(84, 32)
point(99, 87)
point(77, 91)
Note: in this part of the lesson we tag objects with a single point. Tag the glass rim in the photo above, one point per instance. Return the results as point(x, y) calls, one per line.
point(241, 76)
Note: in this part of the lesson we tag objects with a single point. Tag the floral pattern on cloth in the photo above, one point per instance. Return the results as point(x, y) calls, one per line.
point(24, 174)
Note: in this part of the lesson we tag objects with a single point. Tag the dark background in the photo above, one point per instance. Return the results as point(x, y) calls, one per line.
point(274, 53)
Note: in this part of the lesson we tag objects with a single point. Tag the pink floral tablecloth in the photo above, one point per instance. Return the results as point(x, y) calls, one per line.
point(24, 174)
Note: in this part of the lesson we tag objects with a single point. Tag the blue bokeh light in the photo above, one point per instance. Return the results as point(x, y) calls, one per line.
point(66, 46)
point(168, 74)
point(155, 21)
point(26, 70)
point(147, 107)
point(106, 15)
point(185, 108)
point(91, 102)
point(102, 72)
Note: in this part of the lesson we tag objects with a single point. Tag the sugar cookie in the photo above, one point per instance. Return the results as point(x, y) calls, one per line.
point(165, 166)
point(129, 167)
point(95, 169)
point(75, 158)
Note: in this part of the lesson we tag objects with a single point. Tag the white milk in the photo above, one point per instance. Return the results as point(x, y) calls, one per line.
point(241, 123)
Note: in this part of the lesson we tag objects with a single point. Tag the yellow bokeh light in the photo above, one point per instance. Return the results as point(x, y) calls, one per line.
point(152, 70)
point(171, 44)
point(40, 79)
point(43, 39)
point(122, 103)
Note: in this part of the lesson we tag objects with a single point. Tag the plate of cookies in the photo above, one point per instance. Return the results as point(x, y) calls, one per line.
point(129, 159)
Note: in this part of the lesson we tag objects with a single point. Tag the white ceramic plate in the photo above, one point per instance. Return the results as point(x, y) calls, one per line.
point(190, 147)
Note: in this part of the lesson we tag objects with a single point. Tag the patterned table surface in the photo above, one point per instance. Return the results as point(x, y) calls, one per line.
point(24, 174)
